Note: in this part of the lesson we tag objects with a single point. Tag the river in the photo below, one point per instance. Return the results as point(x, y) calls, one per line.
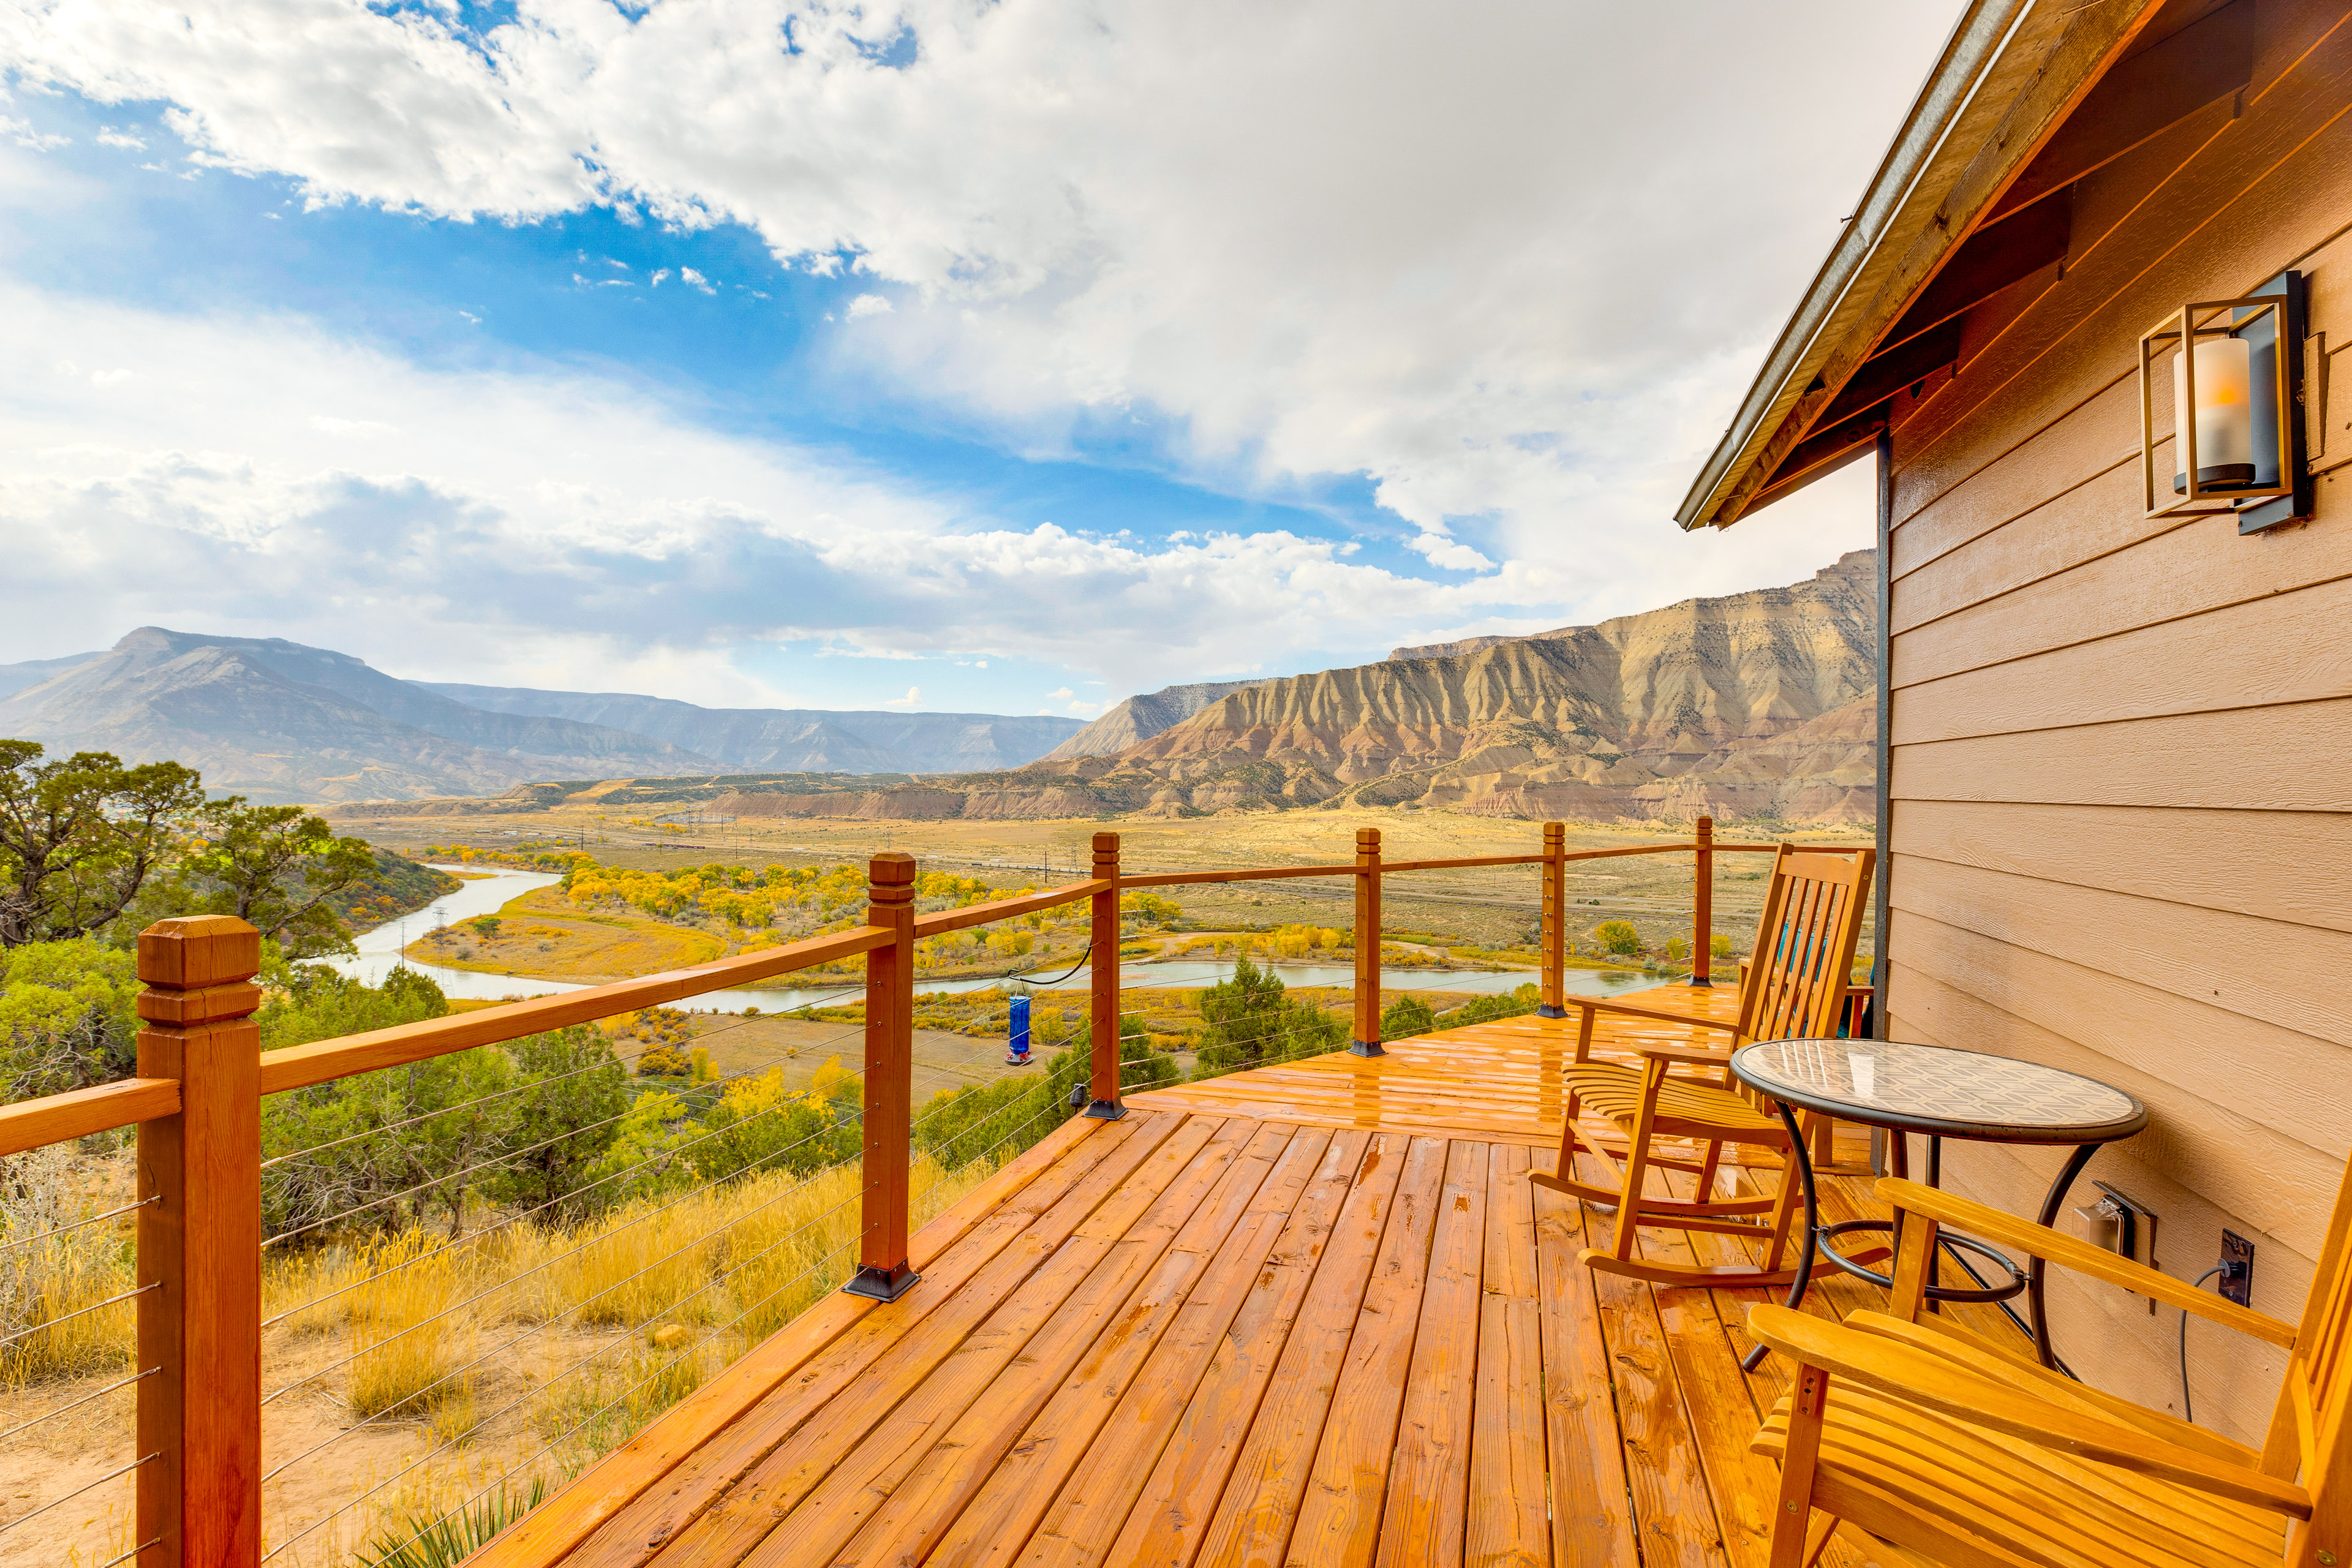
point(379, 951)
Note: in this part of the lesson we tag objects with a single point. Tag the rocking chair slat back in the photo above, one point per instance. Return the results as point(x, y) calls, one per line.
point(1805, 943)
point(2308, 1437)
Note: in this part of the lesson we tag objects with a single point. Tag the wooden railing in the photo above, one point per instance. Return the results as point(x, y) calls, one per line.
point(201, 1077)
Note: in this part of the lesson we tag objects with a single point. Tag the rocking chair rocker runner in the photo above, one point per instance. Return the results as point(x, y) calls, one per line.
point(1793, 988)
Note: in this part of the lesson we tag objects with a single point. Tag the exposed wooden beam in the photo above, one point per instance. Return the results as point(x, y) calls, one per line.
point(2145, 95)
point(2047, 67)
point(1988, 261)
point(1881, 377)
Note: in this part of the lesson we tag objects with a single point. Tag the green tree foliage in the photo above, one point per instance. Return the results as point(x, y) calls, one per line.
point(1719, 945)
point(1507, 1004)
point(1141, 908)
point(527, 1122)
point(1405, 1018)
point(758, 1125)
point(277, 868)
point(68, 1016)
point(1250, 1020)
point(999, 1120)
point(1618, 936)
point(574, 1091)
point(79, 839)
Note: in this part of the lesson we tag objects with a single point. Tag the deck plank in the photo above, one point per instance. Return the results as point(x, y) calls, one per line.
point(1095, 1501)
point(1592, 1512)
point(1313, 1313)
point(897, 1400)
point(917, 1471)
point(1427, 1512)
point(1013, 1496)
point(1672, 1511)
point(1164, 1525)
point(1340, 1478)
point(1506, 1480)
point(1044, 1208)
point(683, 1455)
point(1250, 1520)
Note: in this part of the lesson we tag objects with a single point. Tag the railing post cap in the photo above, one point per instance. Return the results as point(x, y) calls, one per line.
point(190, 951)
point(1368, 838)
point(892, 868)
point(1105, 841)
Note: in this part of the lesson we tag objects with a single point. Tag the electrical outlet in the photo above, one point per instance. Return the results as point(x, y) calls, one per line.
point(2237, 1281)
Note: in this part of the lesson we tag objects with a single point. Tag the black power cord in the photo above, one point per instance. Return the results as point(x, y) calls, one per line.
point(2186, 1413)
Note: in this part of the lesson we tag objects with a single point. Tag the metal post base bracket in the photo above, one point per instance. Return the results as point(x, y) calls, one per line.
point(1106, 1109)
point(882, 1284)
point(1365, 1048)
point(1548, 1011)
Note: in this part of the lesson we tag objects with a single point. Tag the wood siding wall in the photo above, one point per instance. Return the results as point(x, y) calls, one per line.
point(2121, 805)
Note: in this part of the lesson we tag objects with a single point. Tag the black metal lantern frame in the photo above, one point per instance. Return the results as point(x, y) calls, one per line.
point(2272, 323)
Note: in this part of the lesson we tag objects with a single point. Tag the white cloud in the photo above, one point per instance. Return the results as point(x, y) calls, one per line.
point(1452, 554)
point(107, 136)
point(868, 305)
point(1472, 255)
point(689, 276)
point(1056, 696)
point(914, 695)
point(547, 527)
point(21, 133)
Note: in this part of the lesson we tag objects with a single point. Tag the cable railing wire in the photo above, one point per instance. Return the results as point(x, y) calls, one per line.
point(539, 1208)
point(512, 1280)
point(57, 1230)
point(660, 1371)
point(75, 1404)
point(539, 1392)
point(114, 1475)
point(47, 1324)
point(671, 1306)
point(504, 1158)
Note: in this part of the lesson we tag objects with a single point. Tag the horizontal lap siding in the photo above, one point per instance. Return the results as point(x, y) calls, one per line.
point(2121, 803)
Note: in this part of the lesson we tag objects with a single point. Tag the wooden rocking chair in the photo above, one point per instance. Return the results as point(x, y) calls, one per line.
point(1954, 1451)
point(1794, 986)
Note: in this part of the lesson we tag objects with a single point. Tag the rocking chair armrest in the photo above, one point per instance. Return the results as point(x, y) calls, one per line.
point(2040, 1241)
point(1696, 1056)
point(1594, 1005)
point(1920, 1378)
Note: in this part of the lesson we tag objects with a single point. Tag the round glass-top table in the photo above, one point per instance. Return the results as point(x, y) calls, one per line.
point(1943, 1094)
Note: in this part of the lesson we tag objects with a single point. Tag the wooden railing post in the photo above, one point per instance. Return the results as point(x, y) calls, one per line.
point(1703, 905)
point(199, 1241)
point(1366, 1042)
point(1555, 920)
point(1102, 1015)
point(884, 1271)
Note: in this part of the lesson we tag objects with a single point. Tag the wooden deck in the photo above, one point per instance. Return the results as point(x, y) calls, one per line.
point(1314, 1314)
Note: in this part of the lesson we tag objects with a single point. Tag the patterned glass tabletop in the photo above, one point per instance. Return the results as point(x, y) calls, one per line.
point(1929, 1088)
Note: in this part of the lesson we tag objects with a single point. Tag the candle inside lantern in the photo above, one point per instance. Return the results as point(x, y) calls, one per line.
point(2225, 416)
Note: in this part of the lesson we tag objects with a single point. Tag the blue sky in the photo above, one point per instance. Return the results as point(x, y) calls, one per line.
point(954, 357)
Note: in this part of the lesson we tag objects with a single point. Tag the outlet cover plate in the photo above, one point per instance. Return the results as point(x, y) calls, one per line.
point(2238, 1284)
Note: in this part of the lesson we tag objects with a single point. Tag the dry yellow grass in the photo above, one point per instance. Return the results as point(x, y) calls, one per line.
point(52, 1278)
point(410, 1332)
point(427, 1372)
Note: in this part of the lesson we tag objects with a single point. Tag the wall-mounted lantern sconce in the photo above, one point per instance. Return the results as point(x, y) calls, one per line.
point(2237, 402)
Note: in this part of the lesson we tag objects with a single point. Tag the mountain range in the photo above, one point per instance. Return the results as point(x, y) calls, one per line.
point(1756, 706)
point(1761, 704)
point(277, 722)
